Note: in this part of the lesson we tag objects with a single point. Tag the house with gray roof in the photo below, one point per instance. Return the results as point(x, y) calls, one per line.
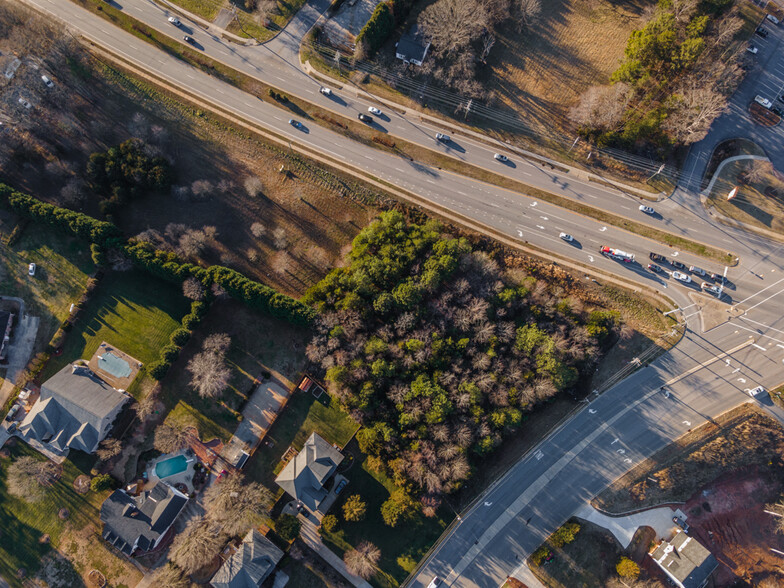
point(412, 47)
point(304, 477)
point(76, 409)
point(252, 563)
point(138, 523)
point(685, 561)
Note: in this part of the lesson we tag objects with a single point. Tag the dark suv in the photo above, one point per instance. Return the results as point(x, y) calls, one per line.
point(657, 258)
point(678, 265)
point(365, 118)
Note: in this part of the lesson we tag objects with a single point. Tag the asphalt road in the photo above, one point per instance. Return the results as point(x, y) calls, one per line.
point(617, 429)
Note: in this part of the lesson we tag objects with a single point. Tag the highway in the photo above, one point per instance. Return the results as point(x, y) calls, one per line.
point(706, 373)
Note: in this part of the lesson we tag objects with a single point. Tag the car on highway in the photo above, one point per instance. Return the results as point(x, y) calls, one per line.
point(189, 39)
point(758, 391)
point(763, 101)
point(374, 110)
point(752, 49)
point(31, 269)
point(698, 270)
point(678, 265)
point(711, 288)
point(500, 157)
point(647, 209)
point(655, 268)
point(47, 82)
point(442, 137)
point(717, 277)
point(566, 237)
point(657, 257)
point(435, 582)
point(365, 118)
point(761, 32)
point(682, 277)
point(295, 123)
point(175, 21)
point(325, 91)
point(772, 19)
point(776, 110)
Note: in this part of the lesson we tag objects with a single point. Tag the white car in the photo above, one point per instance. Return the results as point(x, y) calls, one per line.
point(435, 582)
point(566, 237)
point(175, 21)
point(25, 103)
point(501, 158)
point(682, 277)
point(758, 391)
point(31, 269)
point(442, 137)
point(772, 19)
point(646, 209)
point(374, 110)
point(712, 288)
point(47, 82)
point(325, 91)
point(752, 49)
point(763, 101)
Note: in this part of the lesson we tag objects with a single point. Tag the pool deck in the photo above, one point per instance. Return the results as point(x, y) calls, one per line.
point(113, 381)
point(185, 477)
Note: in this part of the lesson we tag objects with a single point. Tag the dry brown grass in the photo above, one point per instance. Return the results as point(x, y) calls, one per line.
point(576, 44)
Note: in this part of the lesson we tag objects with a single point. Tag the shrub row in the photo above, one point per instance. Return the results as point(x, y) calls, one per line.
point(377, 30)
point(170, 352)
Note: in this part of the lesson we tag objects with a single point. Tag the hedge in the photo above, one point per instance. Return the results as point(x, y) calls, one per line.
point(378, 29)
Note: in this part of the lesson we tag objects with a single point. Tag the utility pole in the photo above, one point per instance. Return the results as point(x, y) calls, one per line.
point(656, 173)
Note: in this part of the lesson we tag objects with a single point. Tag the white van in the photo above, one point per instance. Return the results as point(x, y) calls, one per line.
point(764, 101)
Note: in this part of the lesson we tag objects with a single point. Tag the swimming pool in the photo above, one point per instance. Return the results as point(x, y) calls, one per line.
point(171, 466)
point(115, 365)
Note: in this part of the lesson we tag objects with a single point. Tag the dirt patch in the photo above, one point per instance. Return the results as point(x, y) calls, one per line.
point(82, 484)
point(739, 438)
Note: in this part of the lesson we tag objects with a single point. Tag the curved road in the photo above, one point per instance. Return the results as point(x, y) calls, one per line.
point(706, 373)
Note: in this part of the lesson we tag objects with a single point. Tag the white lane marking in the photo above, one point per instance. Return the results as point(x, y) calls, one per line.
point(742, 380)
point(603, 229)
point(590, 258)
point(534, 203)
point(687, 423)
point(759, 347)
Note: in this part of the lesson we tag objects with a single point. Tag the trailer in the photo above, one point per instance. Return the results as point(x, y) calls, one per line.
point(616, 254)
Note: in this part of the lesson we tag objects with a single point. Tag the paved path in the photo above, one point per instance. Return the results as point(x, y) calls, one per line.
point(20, 349)
point(624, 528)
point(310, 536)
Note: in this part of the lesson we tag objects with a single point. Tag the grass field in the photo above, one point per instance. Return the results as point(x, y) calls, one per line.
point(132, 311)
point(22, 525)
point(63, 265)
point(751, 205)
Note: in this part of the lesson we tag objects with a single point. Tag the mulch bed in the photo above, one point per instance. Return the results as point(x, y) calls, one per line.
point(82, 484)
point(762, 116)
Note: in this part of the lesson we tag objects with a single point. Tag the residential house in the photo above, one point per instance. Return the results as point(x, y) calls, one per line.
point(685, 561)
point(304, 478)
point(76, 409)
point(412, 47)
point(138, 523)
point(252, 563)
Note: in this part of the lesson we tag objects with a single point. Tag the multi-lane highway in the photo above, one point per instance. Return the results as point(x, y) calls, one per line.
point(706, 373)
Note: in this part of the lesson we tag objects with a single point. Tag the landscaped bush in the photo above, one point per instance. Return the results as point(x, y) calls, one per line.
point(158, 369)
point(101, 482)
point(190, 321)
point(538, 556)
point(169, 353)
point(287, 526)
point(180, 337)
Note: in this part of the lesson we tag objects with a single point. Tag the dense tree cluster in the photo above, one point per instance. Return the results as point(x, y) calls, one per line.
point(438, 352)
point(675, 78)
point(381, 25)
point(127, 171)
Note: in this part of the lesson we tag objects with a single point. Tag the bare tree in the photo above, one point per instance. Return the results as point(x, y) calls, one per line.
point(72, 194)
point(209, 374)
point(192, 242)
point(171, 437)
point(696, 108)
point(28, 476)
point(778, 508)
point(453, 24)
point(202, 189)
point(146, 406)
point(616, 582)
point(217, 343)
point(527, 12)
point(279, 236)
point(197, 546)
point(253, 186)
point(258, 230)
point(362, 560)
point(281, 262)
point(488, 41)
point(108, 448)
point(601, 107)
point(192, 288)
point(758, 169)
point(726, 29)
point(235, 506)
point(684, 9)
point(170, 576)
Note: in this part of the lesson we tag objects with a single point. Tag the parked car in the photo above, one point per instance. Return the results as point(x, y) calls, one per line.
point(374, 110)
point(647, 209)
point(682, 277)
point(657, 257)
point(752, 49)
point(295, 123)
point(776, 110)
point(655, 268)
point(711, 288)
point(189, 39)
point(31, 269)
point(435, 582)
point(772, 19)
point(566, 237)
point(25, 103)
point(325, 91)
point(47, 82)
point(175, 21)
point(717, 277)
point(678, 265)
point(365, 118)
point(500, 157)
point(763, 101)
point(761, 32)
point(340, 487)
point(442, 137)
point(758, 391)
point(781, 97)
point(681, 523)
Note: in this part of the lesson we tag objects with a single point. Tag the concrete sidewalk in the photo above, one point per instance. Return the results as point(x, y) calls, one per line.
point(623, 528)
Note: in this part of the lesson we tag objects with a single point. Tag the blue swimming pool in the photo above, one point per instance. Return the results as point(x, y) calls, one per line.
point(171, 466)
point(114, 364)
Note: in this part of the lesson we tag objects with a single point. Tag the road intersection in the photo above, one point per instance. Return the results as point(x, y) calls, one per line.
point(704, 375)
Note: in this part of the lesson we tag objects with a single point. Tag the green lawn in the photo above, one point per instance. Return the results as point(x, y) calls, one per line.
point(22, 524)
point(401, 547)
point(132, 311)
point(63, 265)
point(303, 415)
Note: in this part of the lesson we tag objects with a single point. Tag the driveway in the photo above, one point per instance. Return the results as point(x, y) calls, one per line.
point(20, 350)
point(624, 528)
